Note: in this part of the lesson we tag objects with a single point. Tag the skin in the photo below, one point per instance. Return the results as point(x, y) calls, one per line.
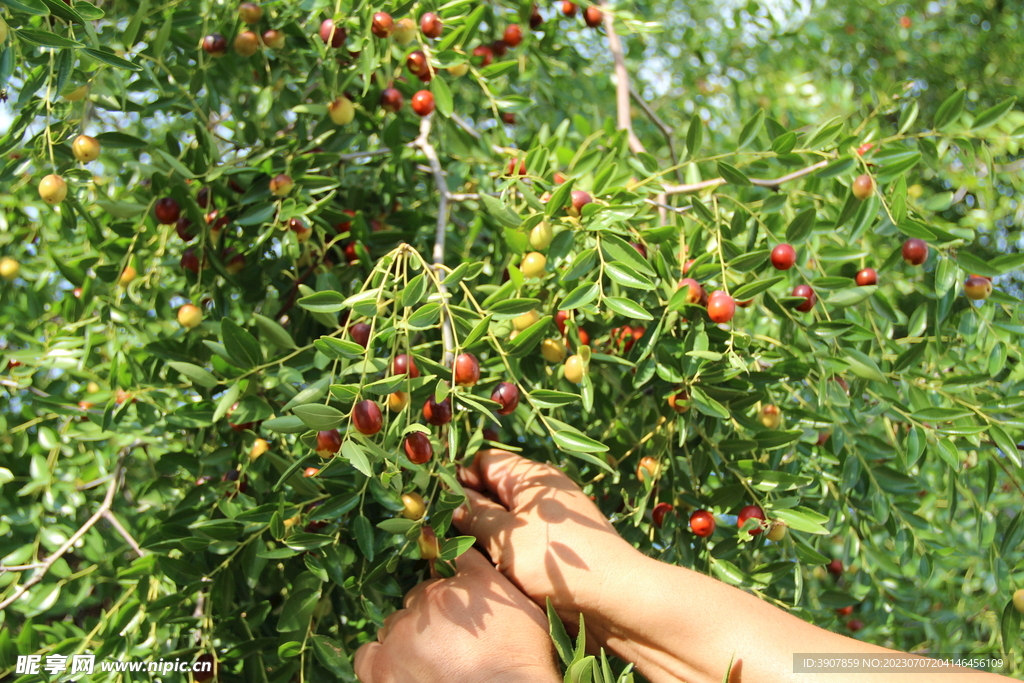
point(475, 627)
point(544, 534)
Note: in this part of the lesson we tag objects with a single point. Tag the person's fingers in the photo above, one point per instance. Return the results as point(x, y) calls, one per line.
point(472, 562)
point(365, 662)
point(416, 592)
point(486, 520)
point(507, 475)
point(389, 624)
point(469, 478)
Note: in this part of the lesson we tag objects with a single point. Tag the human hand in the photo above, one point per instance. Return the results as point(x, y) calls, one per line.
point(545, 534)
point(471, 628)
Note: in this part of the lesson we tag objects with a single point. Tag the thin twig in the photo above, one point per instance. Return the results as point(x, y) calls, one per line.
point(19, 567)
point(109, 516)
point(104, 507)
point(771, 183)
point(441, 183)
point(352, 156)
point(662, 126)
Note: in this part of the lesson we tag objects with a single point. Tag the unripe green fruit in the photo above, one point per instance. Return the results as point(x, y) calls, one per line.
point(553, 350)
point(541, 236)
point(85, 148)
point(777, 532)
point(575, 369)
point(533, 264)
point(521, 322)
point(1018, 600)
point(190, 316)
point(53, 189)
point(458, 70)
point(414, 508)
point(405, 31)
point(341, 111)
point(9, 268)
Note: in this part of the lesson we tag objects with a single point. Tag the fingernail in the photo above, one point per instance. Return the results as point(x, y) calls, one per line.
point(459, 514)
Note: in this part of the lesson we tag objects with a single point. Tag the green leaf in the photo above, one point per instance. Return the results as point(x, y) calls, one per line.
point(398, 525)
point(289, 424)
point(851, 296)
point(950, 110)
point(442, 96)
point(195, 374)
point(972, 264)
point(907, 117)
point(547, 398)
point(993, 114)
point(121, 209)
point(352, 452)
point(803, 519)
point(298, 609)
point(115, 140)
point(617, 249)
point(327, 301)
point(751, 129)
point(802, 226)
point(31, 7)
point(627, 277)
point(559, 198)
point(241, 346)
point(1007, 445)
point(707, 405)
point(571, 439)
point(332, 655)
point(320, 417)
point(580, 296)
point(107, 56)
point(363, 531)
point(563, 646)
point(425, 316)
point(337, 349)
point(504, 215)
point(694, 136)
point(754, 288)
point(526, 340)
point(46, 39)
point(307, 541)
point(452, 548)
point(314, 392)
point(864, 366)
point(627, 307)
point(511, 308)
point(175, 165)
point(826, 133)
point(258, 215)
point(273, 332)
point(733, 175)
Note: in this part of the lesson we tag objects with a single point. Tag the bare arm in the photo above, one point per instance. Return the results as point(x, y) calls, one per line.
point(673, 623)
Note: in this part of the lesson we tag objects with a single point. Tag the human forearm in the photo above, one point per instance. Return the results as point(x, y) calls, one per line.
point(679, 625)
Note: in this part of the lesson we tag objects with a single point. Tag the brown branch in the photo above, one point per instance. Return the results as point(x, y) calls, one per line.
point(101, 512)
point(109, 516)
point(771, 183)
point(443, 196)
point(622, 88)
point(660, 125)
